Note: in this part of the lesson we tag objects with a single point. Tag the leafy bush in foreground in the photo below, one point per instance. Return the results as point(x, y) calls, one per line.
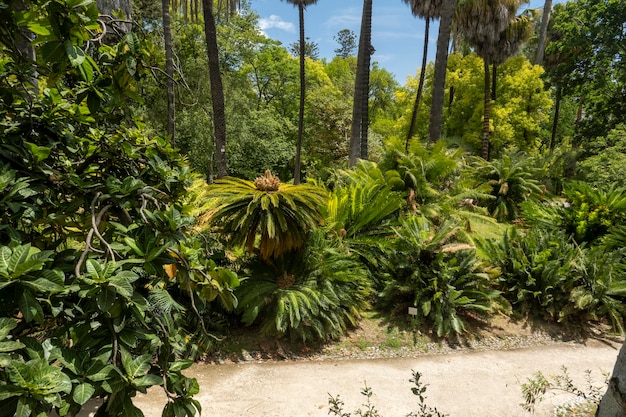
point(99, 276)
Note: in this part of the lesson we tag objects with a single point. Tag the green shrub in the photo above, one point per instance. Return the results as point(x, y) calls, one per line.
point(316, 295)
point(439, 276)
point(544, 274)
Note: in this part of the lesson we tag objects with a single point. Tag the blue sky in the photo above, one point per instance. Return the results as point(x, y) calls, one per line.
point(397, 35)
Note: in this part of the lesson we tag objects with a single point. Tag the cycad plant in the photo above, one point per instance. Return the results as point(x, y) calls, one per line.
point(361, 200)
point(316, 296)
point(439, 275)
point(361, 209)
point(587, 214)
point(264, 216)
point(545, 274)
point(509, 181)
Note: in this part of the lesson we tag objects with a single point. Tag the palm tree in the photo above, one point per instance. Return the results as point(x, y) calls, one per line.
point(217, 90)
point(517, 32)
point(427, 10)
point(441, 62)
point(360, 109)
point(265, 215)
point(485, 24)
point(301, 4)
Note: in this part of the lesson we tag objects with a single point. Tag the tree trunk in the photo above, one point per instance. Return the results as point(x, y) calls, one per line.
point(420, 87)
point(217, 90)
point(486, 146)
point(441, 64)
point(361, 84)
point(543, 32)
point(169, 71)
point(555, 122)
point(365, 91)
point(494, 81)
point(25, 55)
point(613, 403)
point(296, 171)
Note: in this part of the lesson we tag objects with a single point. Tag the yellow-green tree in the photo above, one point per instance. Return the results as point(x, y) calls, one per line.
point(518, 115)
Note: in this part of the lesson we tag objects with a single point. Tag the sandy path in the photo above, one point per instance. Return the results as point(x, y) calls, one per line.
point(477, 384)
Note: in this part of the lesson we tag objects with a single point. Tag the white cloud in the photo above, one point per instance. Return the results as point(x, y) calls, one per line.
point(349, 18)
point(276, 22)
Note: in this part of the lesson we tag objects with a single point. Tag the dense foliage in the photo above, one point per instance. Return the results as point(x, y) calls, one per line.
point(119, 264)
point(104, 292)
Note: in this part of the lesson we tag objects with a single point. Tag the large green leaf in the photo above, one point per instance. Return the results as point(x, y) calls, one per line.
point(83, 392)
point(137, 367)
point(30, 307)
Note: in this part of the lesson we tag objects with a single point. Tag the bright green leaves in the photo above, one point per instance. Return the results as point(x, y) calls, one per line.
point(35, 383)
point(6, 343)
point(23, 267)
point(83, 393)
point(75, 54)
point(280, 218)
point(109, 284)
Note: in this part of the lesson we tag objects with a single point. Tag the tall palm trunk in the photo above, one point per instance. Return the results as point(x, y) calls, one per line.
point(169, 71)
point(486, 146)
point(217, 90)
point(420, 87)
point(365, 90)
point(296, 173)
point(494, 81)
point(360, 122)
point(543, 32)
point(441, 63)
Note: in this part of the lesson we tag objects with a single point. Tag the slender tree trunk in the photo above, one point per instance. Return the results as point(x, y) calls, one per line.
point(365, 90)
point(441, 64)
point(613, 403)
point(361, 85)
point(217, 90)
point(555, 122)
point(26, 57)
point(169, 71)
point(486, 146)
point(494, 80)
point(543, 32)
point(420, 87)
point(296, 172)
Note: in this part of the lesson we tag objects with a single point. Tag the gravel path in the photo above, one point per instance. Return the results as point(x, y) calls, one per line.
point(483, 383)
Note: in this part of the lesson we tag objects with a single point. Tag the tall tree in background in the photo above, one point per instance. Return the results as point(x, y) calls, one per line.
point(311, 49)
point(543, 32)
point(511, 39)
point(217, 90)
point(441, 63)
point(360, 110)
point(301, 5)
point(347, 43)
point(484, 25)
point(169, 71)
point(227, 8)
point(427, 10)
